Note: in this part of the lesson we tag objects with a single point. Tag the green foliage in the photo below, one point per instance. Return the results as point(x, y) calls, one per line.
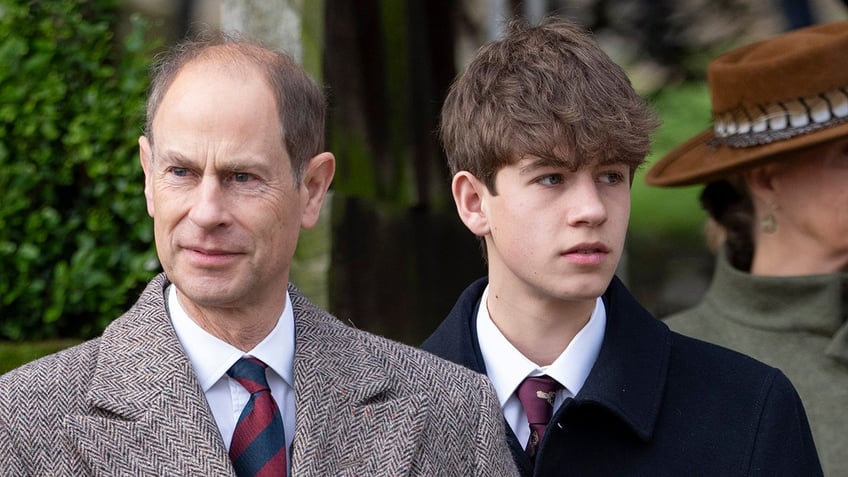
point(75, 240)
point(312, 38)
point(13, 355)
point(673, 212)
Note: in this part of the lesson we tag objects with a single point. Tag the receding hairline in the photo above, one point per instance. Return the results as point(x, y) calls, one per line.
point(226, 56)
point(239, 52)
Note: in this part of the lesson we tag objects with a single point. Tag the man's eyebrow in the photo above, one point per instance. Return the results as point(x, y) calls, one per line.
point(242, 164)
point(226, 165)
point(170, 156)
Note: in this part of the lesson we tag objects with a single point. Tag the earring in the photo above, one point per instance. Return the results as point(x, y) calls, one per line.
point(768, 224)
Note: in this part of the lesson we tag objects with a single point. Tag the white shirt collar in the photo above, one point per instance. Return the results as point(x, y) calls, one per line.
point(211, 357)
point(506, 367)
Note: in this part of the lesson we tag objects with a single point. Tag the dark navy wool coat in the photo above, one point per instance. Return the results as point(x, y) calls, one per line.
point(656, 403)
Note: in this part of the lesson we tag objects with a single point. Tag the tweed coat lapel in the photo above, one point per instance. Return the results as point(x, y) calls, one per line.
point(148, 414)
point(350, 419)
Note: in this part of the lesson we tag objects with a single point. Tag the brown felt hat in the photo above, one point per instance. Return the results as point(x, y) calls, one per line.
point(768, 98)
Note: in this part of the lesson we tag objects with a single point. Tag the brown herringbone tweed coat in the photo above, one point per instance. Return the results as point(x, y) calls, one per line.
point(128, 404)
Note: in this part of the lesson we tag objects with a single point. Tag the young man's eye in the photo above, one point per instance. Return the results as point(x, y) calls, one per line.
point(551, 179)
point(612, 177)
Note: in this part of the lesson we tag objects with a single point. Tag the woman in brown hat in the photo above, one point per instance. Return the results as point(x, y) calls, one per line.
point(775, 166)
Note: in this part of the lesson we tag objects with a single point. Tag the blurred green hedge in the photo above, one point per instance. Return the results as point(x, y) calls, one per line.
point(672, 213)
point(76, 244)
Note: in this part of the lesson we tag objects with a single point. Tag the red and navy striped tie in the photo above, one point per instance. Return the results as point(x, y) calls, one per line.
point(258, 447)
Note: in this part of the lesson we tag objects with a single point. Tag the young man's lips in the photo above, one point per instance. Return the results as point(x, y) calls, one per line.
point(592, 248)
point(587, 254)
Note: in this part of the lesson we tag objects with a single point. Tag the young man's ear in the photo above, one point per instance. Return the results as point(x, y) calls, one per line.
point(470, 195)
point(314, 185)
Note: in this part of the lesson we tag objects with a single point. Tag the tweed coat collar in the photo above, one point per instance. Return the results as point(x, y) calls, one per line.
point(629, 376)
point(816, 304)
point(146, 406)
point(147, 410)
point(346, 400)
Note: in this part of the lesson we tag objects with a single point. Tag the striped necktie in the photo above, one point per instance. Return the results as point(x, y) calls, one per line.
point(258, 447)
point(537, 397)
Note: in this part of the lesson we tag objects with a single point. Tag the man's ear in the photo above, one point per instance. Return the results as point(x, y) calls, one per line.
point(470, 196)
point(314, 185)
point(145, 154)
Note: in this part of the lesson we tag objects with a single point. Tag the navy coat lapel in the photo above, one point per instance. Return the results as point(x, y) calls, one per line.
point(629, 376)
point(627, 380)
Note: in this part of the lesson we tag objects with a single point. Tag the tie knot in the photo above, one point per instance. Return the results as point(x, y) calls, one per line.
point(537, 397)
point(250, 373)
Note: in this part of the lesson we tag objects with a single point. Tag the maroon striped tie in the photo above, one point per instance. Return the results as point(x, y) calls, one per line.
point(258, 447)
point(537, 397)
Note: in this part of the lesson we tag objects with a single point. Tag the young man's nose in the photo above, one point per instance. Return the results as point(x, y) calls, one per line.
point(586, 204)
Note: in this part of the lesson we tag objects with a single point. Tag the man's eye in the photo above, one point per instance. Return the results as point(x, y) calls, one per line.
point(179, 171)
point(241, 177)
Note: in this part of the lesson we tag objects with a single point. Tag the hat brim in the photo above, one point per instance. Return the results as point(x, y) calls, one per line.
point(701, 159)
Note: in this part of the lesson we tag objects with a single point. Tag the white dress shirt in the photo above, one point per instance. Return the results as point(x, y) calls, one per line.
point(211, 358)
point(507, 367)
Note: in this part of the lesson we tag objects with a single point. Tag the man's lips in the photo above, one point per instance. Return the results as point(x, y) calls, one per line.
point(210, 256)
point(209, 251)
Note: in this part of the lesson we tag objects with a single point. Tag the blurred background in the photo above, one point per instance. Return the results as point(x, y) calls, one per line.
point(390, 256)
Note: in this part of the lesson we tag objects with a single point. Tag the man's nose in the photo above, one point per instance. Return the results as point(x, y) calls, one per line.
point(209, 207)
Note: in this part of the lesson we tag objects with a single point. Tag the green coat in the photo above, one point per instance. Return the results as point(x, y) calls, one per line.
point(796, 324)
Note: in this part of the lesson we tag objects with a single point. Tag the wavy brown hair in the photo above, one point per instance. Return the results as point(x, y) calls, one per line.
point(548, 91)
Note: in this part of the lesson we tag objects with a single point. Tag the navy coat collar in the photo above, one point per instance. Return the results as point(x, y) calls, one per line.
point(629, 376)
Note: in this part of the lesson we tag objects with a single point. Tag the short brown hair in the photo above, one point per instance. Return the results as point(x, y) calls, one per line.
point(300, 103)
point(548, 91)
